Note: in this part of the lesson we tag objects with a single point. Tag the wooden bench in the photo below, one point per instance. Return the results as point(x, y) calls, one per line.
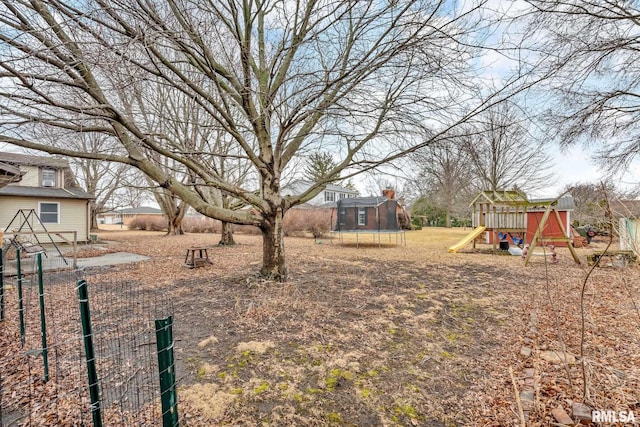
point(191, 261)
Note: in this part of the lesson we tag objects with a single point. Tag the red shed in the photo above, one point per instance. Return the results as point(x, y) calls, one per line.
point(551, 230)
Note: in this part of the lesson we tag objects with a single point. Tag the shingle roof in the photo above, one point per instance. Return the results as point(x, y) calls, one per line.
point(140, 210)
point(44, 192)
point(26, 159)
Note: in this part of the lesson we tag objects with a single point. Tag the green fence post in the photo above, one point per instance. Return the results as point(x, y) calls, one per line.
point(166, 367)
point(92, 373)
point(43, 321)
point(20, 302)
point(1, 285)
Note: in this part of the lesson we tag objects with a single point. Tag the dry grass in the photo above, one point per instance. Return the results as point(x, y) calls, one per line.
point(389, 335)
point(394, 335)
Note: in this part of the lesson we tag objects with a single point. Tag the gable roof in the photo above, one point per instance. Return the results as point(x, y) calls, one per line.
point(500, 197)
point(16, 160)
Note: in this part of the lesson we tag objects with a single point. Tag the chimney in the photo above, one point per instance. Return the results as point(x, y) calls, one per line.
point(389, 193)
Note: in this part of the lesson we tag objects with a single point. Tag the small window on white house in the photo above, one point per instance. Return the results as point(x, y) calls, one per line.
point(329, 196)
point(362, 216)
point(49, 213)
point(48, 178)
point(342, 196)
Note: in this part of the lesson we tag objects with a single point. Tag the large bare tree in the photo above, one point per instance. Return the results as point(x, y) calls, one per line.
point(503, 153)
point(445, 176)
point(590, 48)
point(278, 77)
point(134, 192)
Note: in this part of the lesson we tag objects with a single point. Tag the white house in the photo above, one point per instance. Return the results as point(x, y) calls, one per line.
point(46, 187)
point(329, 196)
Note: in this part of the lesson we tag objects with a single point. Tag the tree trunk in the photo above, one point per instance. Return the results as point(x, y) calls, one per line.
point(226, 237)
point(176, 213)
point(94, 216)
point(174, 226)
point(273, 263)
point(448, 218)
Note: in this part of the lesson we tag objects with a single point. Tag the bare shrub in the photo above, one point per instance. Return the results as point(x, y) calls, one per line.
point(157, 224)
point(136, 224)
point(314, 221)
point(246, 229)
point(201, 225)
point(147, 224)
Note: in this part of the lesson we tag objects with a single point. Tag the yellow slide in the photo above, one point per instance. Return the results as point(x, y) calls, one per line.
point(468, 238)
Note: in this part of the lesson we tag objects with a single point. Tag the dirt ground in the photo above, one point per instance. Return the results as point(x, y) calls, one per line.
point(389, 335)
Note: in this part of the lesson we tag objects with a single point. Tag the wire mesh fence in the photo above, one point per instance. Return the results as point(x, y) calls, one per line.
point(82, 352)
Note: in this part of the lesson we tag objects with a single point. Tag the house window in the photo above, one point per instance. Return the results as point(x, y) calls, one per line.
point(49, 213)
point(342, 196)
point(329, 196)
point(362, 216)
point(48, 178)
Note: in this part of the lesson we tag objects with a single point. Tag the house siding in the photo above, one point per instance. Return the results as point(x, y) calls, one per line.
point(73, 216)
point(31, 178)
point(300, 187)
point(629, 230)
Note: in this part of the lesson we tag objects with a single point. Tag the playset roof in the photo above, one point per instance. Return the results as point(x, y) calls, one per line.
point(501, 197)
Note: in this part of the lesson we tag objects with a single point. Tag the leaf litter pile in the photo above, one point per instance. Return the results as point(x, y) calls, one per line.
point(389, 335)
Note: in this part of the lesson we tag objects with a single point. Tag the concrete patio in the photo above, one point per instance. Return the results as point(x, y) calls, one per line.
point(53, 261)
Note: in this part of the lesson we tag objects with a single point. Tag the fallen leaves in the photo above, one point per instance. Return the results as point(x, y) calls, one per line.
point(372, 336)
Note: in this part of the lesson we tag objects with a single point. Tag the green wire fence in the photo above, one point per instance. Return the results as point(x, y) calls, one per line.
point(82, 350)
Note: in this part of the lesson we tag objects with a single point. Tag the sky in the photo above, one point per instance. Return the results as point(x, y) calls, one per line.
point(570, 166)
point(575, 166)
